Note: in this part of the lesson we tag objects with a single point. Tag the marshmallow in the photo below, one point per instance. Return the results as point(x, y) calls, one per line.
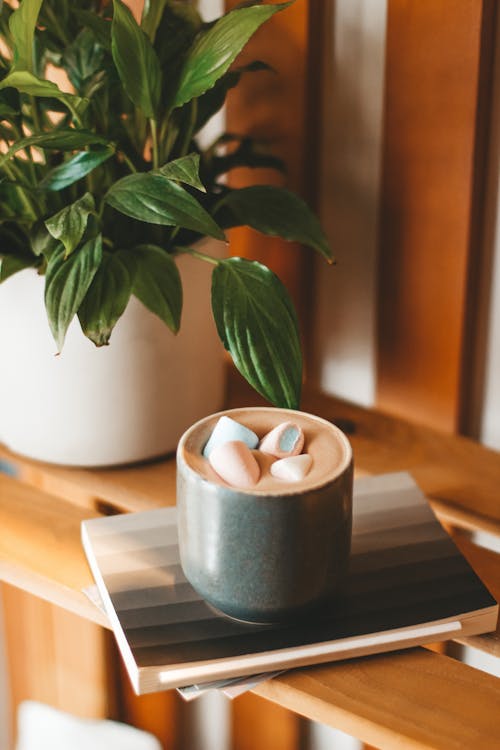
point(227, 430)
point(292, 468)
point(286, 439)
point(235, 464)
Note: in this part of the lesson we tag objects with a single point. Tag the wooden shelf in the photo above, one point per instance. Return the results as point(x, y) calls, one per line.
point(411, 699)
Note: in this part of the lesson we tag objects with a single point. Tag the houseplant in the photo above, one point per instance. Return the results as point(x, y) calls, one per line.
point(104, 187)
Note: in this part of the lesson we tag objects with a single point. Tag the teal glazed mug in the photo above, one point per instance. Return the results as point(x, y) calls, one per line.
point(276, 550)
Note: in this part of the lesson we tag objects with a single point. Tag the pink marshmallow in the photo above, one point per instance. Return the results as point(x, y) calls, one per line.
point(235, 464)
point(286, 439)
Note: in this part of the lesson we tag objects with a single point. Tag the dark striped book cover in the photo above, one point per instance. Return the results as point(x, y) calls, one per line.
point(408, 585)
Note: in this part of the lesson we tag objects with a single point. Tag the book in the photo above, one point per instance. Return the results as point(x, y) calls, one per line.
point(408, 584)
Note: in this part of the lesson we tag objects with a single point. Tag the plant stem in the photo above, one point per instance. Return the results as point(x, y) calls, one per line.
point(188, 135)
point(56, 26)
point(35, 115)
point(154, 139)
point(196, 254)
point(37, 128)
point(127, 161)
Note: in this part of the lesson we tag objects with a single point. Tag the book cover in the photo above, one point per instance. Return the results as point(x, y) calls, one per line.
point(408, 585)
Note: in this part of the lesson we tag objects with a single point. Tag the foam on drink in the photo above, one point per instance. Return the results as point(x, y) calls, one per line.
point(326, 446)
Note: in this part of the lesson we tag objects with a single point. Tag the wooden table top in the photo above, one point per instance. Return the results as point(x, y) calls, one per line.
point(410, 699)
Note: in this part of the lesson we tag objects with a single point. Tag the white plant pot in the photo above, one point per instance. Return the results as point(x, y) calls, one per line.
point(122, 403)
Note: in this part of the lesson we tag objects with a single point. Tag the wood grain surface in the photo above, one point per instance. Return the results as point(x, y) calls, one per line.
point(411, 700)
point(438, 72)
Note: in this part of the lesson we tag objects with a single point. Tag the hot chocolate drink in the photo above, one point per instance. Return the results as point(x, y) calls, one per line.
point(264, 520)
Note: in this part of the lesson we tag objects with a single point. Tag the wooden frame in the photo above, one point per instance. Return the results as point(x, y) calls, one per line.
point(438, 77)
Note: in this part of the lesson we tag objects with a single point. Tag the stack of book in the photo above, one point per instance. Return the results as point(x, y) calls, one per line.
point(408, 585)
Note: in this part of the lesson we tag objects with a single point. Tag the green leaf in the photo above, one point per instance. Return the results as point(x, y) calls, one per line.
point(66, 284)
point(151, 16)
point(41, 240)
point(214, 51)
point(136, 61)
point(99, 26)
point(154, 199)
point(58, 140)
point(75, 168)
point(257, 324)
point(157, 284)
point(178, 27)
point(107, 296)
point(6, 112)
point(27, 83)
point(22, 28)
point(82, 59)
point(11, 264)
point(69, 224)
point(185, 169)
point(274, 211)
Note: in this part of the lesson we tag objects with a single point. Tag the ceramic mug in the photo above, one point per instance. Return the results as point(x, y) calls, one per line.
point(263, 555)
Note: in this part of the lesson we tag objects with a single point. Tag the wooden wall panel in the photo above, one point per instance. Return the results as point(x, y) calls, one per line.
point(157, 713)
point(283, 111)
point(438, 69)
point(258, 723)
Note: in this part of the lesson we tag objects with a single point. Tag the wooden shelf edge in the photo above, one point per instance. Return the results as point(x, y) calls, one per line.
point(352, 696)
point(52, 592)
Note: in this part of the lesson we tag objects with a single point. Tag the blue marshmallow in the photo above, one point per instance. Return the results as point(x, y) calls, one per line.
point(227, 430)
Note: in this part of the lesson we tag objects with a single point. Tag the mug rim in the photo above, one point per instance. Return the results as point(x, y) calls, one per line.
point(343, 466)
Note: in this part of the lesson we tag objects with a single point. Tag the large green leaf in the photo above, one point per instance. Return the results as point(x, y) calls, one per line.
point(11, 264)
point(107, 296)
point(22, 28)
point(75, 168)
point(69, 224)
point(185, 169)
point(66, 284)
point(175, 34)
point(214, 50)
point(59, 140)
point(257, 324)
point(157, 284)
point(152, 13)
point(82, 59)
point(136, 60)
point(154, 199)
point(27, 83)
point(41, 240)
point(274, 211)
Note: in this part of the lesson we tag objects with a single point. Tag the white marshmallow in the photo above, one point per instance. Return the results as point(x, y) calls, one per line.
point(292, 468)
